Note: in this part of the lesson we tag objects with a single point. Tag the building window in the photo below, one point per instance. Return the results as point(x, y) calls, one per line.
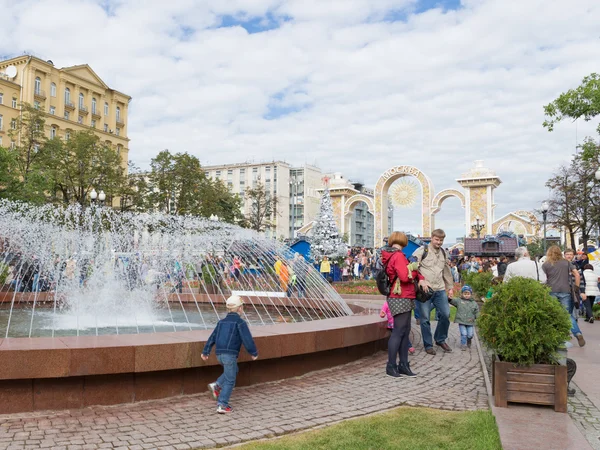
point(0, 141)
point(93, 123)
point(13, 124)
point(52, 90)
point(218, 174)
point(119, 149)
point(13, 145)
point(118, 114)
point(52, 132)
point(80, 119)
point(52, 110)
point(36, 104)
point(38, 85)
point(1, 98)
point(118, 131)
point(106, 109)
point(14, 102)
point(66, 115)
point(93, 106)
point(242, 173)
point(67, 96)
point(106, 128)
point(67, 135)
point(81, 100)
point(1, 122)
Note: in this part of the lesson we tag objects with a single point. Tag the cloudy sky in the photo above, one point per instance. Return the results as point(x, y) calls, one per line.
point(355, 86)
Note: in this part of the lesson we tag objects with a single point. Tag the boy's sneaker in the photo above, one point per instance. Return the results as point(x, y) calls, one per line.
point(469, 342)
point(580, 339)
point(214, 390)
point(571, 391)
point(224, 409)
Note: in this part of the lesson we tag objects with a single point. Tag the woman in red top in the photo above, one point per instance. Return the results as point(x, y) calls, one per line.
point(401, 302)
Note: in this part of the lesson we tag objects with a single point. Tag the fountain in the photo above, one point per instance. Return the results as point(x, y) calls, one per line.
point(91, 295)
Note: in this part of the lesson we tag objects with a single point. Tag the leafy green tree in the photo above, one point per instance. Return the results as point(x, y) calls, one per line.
point(263, 208)
point(81, 164)
point(581, 102)
point(178, 185)
point(133, 192)
point(23, 177)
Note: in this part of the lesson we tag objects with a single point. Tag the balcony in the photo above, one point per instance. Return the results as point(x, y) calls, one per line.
point(39, 94)
point(83, 110)
point(96, 114)
point(120, 122)
point(69, 106)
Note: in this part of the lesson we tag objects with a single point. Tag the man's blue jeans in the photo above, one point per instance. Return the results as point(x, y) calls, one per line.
point(466, 331)
point(439, 301)
point(227, 381)
point(565, 299)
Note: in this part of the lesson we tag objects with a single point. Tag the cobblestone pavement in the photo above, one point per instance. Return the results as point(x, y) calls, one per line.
point(586, 416)
point(451, 381)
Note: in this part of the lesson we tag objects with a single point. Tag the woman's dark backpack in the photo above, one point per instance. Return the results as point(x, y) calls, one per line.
point(384, 285)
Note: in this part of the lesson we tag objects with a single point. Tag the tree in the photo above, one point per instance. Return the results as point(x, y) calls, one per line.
point(81, 164)
point(581, 102)
point(325, 239)
point(133, 192)
point(25, 178)
point(263, 208)
point(178, 185)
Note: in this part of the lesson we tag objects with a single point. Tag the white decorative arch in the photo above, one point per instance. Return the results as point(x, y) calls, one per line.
point(307, 227)
point(436, 205)
point(357, 199)
point(381, 198)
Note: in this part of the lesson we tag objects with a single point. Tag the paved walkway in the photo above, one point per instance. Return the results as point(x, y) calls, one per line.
point(451, 381)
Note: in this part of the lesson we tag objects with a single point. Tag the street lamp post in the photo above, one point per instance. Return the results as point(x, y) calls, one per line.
point(478, 226)
point(545, 208)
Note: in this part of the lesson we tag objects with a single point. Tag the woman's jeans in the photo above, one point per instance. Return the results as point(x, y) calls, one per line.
point(566, 300)
point(466, 331)
point(227, 381)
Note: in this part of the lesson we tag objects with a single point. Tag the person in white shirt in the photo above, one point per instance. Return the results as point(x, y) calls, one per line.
point(591, 291)
point(524, 266)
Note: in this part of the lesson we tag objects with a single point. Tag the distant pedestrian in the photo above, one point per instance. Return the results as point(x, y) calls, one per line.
point(228, 336)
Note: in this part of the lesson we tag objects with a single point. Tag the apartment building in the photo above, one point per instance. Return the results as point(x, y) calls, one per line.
point(73, 98)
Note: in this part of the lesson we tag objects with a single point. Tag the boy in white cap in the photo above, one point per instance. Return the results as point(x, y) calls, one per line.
point(229, 335)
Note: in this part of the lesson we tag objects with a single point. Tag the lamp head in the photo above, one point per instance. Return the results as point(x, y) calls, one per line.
point(101, 196)
point(93, 194)
point(545, 206)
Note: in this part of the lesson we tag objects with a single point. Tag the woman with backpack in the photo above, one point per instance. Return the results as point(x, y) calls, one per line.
point(401, 302)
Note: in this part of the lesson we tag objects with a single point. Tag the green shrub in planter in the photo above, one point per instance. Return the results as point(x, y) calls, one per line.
point(523, 323)
point(209, 274)
point(4, 269)
point(480, 282)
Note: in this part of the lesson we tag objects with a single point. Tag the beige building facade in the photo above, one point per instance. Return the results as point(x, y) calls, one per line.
point(73, 98)
point(295, 188)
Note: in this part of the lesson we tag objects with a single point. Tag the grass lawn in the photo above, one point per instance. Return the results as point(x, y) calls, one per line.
point(402, 428)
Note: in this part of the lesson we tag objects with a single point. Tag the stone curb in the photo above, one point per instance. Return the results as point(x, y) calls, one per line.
point(486, 378)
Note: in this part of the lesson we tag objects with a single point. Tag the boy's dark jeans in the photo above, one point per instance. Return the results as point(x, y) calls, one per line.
point(227, 381)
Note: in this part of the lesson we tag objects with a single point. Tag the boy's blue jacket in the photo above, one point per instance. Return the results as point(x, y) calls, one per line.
point(229, 335)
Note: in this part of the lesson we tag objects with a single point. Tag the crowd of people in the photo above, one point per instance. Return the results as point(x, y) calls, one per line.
point(569, 275)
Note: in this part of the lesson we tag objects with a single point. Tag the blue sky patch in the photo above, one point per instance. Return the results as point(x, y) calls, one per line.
point(276, 108)
point(254, 24)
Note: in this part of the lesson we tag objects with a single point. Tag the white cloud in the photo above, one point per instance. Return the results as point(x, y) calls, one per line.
point(436, 90)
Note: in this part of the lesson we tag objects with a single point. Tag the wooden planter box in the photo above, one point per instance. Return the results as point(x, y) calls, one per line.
point(540, 384)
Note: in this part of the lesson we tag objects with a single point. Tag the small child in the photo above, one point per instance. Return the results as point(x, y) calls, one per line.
point(490, 293)
point(467, 312)
point(385, 312)
point(229, 335)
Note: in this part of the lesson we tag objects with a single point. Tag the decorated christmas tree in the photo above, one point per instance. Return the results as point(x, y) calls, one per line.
point(325, 239)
